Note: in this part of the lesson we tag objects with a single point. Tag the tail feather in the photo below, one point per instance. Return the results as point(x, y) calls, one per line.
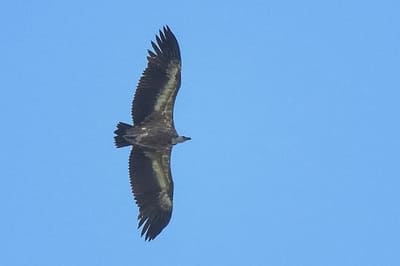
point(119, 139)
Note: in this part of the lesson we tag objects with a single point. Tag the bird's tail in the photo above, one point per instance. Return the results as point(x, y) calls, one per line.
point(119, 139)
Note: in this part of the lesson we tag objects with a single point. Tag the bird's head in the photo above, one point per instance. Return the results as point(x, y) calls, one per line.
point(180, 139)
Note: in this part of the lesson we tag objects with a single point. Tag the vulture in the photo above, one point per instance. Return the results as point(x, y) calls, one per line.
point(153, 134)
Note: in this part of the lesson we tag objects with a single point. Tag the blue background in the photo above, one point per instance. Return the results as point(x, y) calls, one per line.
point(292, 106)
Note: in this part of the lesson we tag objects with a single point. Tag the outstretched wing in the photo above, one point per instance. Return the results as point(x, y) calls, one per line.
point(152, 186)
point(160, 81)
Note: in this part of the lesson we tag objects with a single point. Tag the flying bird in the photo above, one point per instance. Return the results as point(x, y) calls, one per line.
point(153, 134)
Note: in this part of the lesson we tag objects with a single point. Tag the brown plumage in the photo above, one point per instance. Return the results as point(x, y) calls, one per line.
point(153, 134)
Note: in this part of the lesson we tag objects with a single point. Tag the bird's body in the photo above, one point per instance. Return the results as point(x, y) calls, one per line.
point(153, 134)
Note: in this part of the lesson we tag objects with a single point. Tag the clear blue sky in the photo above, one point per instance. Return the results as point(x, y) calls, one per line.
point(292, 106)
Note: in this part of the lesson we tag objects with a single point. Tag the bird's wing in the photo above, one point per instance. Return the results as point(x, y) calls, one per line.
point(152, 186)
point(160, 80)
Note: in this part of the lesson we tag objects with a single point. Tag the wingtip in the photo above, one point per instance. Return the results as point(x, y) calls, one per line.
point(153, 224)
point(166, 30)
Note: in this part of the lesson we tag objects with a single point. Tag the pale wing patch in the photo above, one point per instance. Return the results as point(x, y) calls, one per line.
point(165, 201)
point(164, 99)
point(162, 172)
